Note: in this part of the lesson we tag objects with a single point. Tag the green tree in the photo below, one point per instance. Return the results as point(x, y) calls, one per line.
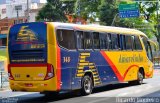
point(87, 9)
point(68, 6)
point(109, 8)
point(52, 11)
point(107, 11)
point(149, 11)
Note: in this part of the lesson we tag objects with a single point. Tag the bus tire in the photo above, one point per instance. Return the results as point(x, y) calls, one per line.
point(139, 81)
point(140, 78)
point(87, 85)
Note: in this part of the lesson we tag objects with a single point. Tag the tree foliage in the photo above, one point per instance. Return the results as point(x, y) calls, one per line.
point(149, 11)
point(104, 10)
point(107, 11)
point(55, 10)
point(68, 6)
point(87, 9)
point(145, 23)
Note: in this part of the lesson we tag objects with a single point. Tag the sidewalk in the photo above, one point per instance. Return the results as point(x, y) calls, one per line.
point(4, 89)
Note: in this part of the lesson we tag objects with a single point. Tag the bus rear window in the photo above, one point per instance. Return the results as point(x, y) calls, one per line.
point(28, 32)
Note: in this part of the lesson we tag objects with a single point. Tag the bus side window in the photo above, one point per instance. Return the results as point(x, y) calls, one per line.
point(115, 42)
point(133, 42)
point(96, 41)
point(103, 41)
point(144, 39)
point(122, 42)
point(128, 41)
point(147, 47)
point(79, 39)
point(66, 38)
point(109, 41)
point(149, 51)
point(87, 40)
point(138, 44)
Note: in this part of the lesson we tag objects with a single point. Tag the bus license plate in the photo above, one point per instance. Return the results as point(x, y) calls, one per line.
point(28, 84)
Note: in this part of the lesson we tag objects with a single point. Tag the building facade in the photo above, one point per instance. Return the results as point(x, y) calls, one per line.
point(21, 1)
point(3, 11)
point(39, 1)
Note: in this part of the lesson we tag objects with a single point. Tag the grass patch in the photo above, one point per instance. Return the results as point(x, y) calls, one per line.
point(3, 53)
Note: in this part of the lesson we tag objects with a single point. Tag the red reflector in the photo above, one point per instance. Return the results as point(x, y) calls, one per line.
point(28, 84)
point(9, 73)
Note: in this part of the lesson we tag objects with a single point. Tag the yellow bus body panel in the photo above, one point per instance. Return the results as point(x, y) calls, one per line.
point(39, 84)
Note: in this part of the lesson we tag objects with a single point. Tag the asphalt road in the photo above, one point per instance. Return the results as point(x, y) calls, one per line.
point(115, 93)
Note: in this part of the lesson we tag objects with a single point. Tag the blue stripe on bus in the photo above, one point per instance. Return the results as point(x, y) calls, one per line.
point(69, 70)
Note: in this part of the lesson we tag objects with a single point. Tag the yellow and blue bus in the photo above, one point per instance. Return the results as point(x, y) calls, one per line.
point(53, 57)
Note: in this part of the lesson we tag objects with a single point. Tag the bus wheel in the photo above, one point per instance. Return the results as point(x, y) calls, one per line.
point(87, 85)
point(139, 81)
point(140, 78)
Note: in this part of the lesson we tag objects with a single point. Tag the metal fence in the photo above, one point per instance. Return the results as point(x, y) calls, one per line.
point(3, 79)
point(1, 65)
point(3, 76)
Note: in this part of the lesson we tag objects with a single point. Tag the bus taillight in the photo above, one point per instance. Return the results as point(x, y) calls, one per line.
point(50, 72)
point(9, 73)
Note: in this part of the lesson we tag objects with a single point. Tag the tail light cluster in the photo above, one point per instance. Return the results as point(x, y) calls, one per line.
point(9, 73)
point(50, 72)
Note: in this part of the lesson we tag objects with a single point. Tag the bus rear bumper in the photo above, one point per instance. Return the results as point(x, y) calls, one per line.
point(33, 86)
